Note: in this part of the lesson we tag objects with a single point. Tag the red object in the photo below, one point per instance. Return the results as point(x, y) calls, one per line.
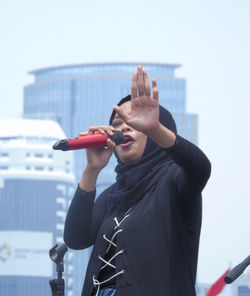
point(218, 286)
point(88, 141)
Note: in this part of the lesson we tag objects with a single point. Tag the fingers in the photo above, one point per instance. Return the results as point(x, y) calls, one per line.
point(134, 86)
point(155, 90)
point(111, 145)
point(102, 129)
point(140, 85)
point(82, 134)
point(147, 83)
point(140, 79)
point(121, 113)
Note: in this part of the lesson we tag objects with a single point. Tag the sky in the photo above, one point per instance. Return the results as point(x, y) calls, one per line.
point(209, 38)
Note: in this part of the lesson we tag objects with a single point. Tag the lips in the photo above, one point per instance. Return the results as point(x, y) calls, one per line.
point(128, 140)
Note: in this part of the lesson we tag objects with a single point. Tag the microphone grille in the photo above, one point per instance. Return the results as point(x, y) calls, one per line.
point(118, 137)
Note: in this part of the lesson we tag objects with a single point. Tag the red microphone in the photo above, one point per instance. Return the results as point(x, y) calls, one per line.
point(88, 141)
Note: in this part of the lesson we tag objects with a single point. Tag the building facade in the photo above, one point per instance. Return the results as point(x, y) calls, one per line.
point(78, 96)
point(36, 185)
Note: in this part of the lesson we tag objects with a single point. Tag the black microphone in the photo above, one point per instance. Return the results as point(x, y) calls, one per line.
point(237, 271)
point(88, 141)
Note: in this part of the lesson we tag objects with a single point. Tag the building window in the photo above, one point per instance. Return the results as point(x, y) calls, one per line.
point(5, 154)
point(39, 168)
point(4, 167)
point(39, 155)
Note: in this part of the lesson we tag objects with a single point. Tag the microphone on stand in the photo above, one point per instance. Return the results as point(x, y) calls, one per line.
point(88, 141)
point(237, 271)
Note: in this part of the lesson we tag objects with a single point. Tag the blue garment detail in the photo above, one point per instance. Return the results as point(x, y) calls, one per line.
point(107, 292)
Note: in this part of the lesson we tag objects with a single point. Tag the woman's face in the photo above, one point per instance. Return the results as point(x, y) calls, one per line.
point(135, 141)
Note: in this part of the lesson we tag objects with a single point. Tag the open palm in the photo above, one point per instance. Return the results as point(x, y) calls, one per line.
point(144, 114)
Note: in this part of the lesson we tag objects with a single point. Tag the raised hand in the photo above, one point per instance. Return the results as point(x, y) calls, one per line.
point(144, 114)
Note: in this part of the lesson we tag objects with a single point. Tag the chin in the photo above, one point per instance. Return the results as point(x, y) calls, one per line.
point(128, 158)
point(130, 155)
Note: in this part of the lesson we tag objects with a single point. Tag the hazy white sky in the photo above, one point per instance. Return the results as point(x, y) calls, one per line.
point(210, 38)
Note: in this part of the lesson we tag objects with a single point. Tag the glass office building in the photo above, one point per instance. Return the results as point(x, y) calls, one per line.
point(78, 96)
point(36, 186)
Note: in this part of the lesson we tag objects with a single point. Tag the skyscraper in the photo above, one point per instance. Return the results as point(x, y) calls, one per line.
point(78, 96)
point(36, 185)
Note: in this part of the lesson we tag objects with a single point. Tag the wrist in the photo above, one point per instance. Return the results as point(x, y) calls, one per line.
point(92, 170)
point(162, 136)
point(89, 178)
point(155, 129)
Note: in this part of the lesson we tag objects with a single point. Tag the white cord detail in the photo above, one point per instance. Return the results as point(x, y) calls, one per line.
point(97, 283)
point(119, 223)
point(111, 241)
point(108, 262)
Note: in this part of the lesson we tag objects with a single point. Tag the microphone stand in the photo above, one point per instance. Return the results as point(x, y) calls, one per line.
point(56, 254)
point(237, 271)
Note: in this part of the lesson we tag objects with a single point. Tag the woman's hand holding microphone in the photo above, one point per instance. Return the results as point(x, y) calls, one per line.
point(97, 158)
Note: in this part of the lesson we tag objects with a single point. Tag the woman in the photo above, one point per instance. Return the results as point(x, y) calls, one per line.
point(145, 228)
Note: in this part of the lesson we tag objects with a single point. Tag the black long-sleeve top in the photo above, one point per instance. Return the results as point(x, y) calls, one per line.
point(160, 238)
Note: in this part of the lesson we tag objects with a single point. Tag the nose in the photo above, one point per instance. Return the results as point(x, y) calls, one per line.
point(125, 127)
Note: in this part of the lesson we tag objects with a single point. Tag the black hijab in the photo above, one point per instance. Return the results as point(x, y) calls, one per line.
point(135, 178)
